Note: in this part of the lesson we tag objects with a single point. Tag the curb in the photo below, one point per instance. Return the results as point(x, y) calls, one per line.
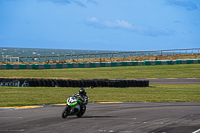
point(21, 107)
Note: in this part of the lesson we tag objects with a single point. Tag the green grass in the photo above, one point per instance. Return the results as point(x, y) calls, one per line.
point(18, 96)
point(127, 72)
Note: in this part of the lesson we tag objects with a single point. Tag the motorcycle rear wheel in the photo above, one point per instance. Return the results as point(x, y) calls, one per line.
point(65, 112)
point(82, 111)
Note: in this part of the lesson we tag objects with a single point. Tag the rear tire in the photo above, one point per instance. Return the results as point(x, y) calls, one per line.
point(65, 112)
point(82, 111)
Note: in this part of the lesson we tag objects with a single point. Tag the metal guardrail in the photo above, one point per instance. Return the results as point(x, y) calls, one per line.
point(101, 55)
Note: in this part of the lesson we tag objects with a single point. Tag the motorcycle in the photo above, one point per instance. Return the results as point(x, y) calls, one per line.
point(73, 107)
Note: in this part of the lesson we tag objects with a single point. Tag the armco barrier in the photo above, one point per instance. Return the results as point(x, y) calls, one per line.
point(73, 83)
point(98, 64)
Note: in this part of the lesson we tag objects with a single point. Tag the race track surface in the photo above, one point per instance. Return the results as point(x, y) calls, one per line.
point(133, 117)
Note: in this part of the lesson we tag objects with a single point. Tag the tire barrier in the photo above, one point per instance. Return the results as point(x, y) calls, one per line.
point(73, 83)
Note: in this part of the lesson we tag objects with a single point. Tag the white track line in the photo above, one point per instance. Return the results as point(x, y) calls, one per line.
point(197, 131)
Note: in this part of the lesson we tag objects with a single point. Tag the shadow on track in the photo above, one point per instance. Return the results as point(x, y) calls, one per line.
point(97, 116)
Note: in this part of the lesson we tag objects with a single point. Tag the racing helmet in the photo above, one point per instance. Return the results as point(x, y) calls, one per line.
point(82, 91)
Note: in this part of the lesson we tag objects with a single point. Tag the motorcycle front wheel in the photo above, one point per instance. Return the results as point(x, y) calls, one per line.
point(65, 112)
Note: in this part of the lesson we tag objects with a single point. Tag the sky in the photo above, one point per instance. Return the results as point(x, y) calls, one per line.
point(117, 25)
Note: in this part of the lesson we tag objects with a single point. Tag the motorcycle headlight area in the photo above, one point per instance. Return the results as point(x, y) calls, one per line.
point(72, 100)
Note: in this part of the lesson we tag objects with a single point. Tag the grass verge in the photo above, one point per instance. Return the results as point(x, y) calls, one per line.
point(125, 72)
point(20, 96)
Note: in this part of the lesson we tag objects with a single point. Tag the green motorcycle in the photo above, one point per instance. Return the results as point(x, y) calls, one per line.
point(73, 107)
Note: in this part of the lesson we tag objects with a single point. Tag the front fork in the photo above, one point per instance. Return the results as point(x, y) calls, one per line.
point(68, 109)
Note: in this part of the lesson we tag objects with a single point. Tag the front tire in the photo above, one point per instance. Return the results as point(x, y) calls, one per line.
point(65, 112)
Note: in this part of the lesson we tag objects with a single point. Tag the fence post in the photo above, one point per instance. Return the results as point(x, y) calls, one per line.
point(45, 58)
point(33, 59)
point(65, 57)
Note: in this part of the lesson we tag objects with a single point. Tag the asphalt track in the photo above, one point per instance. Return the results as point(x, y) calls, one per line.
point(133, 117)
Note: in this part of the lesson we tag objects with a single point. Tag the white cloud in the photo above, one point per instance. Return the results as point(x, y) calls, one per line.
point(115, 24)
point(125, 25)
point(64, 2)
point(93, 19)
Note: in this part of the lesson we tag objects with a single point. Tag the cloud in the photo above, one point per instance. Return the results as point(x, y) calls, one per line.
point(124, 25)
point(92, 1)
point(189, 5)
point(80, 3)
point(64, 2)
point(116, 24)
point(176, 21)
point(57, 1)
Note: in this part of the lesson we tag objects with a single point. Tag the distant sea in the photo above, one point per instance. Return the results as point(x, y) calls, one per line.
point(35, 52)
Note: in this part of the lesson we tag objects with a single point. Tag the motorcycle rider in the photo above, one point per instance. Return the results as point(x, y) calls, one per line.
point(84, 100)
point(83, 96)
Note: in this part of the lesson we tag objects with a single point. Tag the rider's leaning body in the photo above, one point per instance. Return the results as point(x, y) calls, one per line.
point(83, 97)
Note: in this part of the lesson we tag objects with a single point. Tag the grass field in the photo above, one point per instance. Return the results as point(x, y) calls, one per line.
point(125, 72)
point(18, 96)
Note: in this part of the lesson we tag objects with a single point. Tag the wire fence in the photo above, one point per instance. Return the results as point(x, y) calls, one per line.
point(59, 58)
